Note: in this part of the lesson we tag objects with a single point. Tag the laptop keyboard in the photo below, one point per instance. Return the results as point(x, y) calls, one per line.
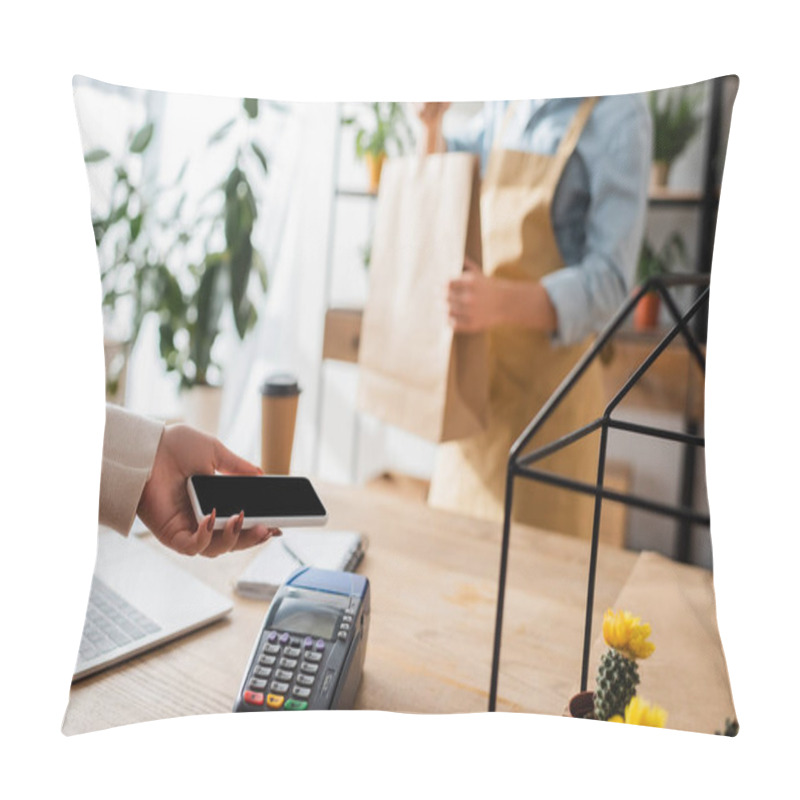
point(111, 622)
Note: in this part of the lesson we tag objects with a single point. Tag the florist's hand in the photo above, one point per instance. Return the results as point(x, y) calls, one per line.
point(474, 300)
point(431, 113)
point(165, 506)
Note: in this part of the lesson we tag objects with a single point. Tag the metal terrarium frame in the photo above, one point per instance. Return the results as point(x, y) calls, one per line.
point(520, 466)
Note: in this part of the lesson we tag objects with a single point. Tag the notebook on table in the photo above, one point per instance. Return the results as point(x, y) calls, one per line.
point(139, 599)
point(280, 556)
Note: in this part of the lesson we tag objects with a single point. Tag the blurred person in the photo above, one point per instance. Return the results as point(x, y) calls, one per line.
point(563, 202)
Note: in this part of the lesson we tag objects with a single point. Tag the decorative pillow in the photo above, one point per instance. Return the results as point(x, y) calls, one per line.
point(234, 240)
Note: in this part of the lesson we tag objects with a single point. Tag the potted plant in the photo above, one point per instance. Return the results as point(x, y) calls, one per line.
point(675, 122)
point(387, 129)
point(615, 697)
point(186, 272)
point(220, 271)
point(122, 249)
point(653, 263)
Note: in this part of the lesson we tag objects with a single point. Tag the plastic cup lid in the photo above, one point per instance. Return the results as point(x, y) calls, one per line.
point(280, 385)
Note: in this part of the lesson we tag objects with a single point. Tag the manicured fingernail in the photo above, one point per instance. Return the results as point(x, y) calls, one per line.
point(239, 522)
point(211, 520)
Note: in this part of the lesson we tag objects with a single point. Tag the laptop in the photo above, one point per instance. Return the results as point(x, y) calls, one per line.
point(139, 599)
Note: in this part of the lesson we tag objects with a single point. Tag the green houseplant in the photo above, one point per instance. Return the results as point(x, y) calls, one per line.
point(675, 123)
point(186, 272)
point(385, 130)
point(122, 247)
point(222, 270)
point(653, 263)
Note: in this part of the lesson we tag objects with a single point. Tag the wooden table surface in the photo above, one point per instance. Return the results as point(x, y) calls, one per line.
point(433, 578)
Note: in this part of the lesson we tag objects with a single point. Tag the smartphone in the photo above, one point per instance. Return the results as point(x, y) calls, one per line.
point(277, 501)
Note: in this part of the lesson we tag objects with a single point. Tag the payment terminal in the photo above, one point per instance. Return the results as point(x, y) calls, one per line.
point(310, 651)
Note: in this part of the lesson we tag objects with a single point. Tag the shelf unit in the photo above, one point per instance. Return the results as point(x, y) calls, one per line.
point(706, 203)
point(341, 331)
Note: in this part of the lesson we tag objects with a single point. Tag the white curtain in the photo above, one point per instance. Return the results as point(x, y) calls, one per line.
point(288, 335)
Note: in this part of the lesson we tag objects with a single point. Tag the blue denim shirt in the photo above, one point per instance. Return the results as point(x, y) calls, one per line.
point(600, 204)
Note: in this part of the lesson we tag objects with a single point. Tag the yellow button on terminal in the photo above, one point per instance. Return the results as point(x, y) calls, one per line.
point(275, 700)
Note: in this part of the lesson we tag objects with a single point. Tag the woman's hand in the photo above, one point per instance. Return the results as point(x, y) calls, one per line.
point(165, 507)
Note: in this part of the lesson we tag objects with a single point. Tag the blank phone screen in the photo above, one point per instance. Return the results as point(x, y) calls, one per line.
point(257, 496)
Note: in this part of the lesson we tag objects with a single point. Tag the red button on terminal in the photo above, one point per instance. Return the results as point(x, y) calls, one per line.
point(254, 698)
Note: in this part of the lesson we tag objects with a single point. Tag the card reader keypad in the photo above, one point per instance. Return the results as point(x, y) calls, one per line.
point(286, 670)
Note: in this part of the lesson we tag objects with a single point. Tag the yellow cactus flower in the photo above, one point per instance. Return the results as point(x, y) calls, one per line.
point(627, 634)
point(639, 712)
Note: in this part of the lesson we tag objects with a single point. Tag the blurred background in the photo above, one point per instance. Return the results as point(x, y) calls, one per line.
point(234, 238)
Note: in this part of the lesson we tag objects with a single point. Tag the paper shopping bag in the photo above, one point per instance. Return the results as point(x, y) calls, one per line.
point(415, 373)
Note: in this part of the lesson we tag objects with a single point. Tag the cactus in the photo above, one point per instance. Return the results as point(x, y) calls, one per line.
point(617, 679)
point(618, 672)
point(731, 728)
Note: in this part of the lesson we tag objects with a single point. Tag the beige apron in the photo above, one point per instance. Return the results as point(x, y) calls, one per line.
point(525, 368)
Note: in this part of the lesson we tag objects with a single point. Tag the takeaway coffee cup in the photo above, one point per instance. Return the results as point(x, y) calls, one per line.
point(279, 395)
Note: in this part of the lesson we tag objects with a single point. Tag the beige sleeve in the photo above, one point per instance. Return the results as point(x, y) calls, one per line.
point(129, 448)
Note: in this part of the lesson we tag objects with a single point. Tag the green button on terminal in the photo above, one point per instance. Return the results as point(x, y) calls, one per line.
point(295, 705)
